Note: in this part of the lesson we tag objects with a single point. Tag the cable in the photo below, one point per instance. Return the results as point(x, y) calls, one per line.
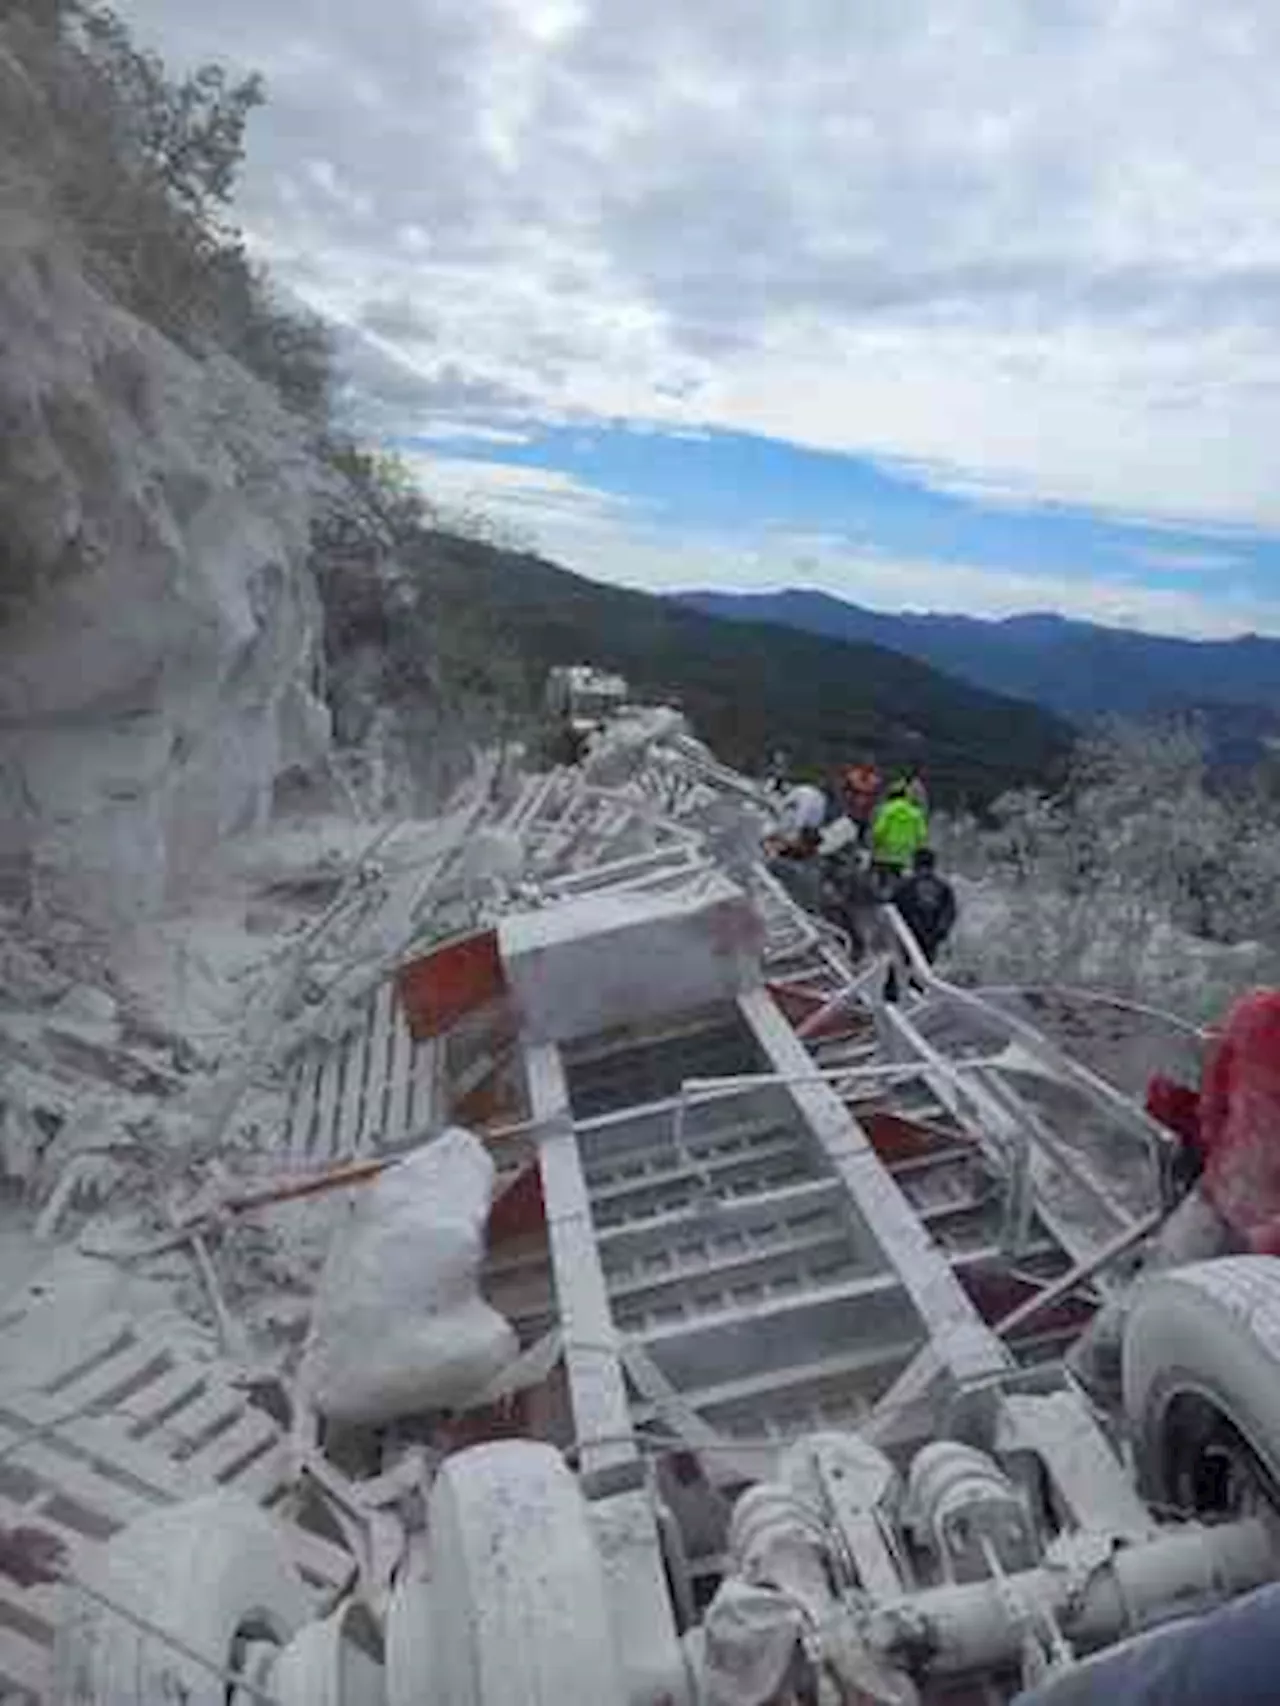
point(1099, 997)
point(660, 1443)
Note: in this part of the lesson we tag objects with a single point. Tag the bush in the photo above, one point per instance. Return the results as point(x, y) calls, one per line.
point(417, 672)
point(1142, 875)
point(139, 169)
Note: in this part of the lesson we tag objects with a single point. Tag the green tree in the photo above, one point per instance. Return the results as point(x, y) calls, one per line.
point(189, 135)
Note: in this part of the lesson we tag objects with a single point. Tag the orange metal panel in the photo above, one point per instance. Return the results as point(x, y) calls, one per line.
point(440, 987)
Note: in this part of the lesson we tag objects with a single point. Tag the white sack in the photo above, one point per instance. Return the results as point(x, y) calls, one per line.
point(400, 1326)
point(752, 1634)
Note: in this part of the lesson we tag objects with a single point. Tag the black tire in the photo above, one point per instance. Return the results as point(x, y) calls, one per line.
point(1201, 1363)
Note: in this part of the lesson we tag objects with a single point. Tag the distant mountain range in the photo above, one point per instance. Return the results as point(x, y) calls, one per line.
point(1080, 670)
point(749, 688)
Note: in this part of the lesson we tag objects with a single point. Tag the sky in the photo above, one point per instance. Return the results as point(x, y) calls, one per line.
point(932, 304)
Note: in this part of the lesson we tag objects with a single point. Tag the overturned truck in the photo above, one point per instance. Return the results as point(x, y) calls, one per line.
point(790, 1273)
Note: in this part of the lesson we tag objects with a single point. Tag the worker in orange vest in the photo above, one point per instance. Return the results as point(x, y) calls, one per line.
point(861, 791)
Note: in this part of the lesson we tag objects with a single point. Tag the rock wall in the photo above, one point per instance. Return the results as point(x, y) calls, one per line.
point(164, 675)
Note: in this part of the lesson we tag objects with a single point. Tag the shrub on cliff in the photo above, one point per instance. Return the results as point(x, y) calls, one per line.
point(138, 168)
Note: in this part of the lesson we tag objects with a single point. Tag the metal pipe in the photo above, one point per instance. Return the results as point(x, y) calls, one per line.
point(1060, 1288)
point(1056, 1149)
point(619, 873)
point(698, 1090)
point(949, 1631)
point(730, 1084)
point(845, 997)
point(1100, 998)
point(1123, 1108)
point(677, 1563)
point(1115, 1104)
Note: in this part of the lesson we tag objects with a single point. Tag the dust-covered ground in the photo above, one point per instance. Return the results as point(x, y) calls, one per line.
point(139, 1066)
point(1119, 946)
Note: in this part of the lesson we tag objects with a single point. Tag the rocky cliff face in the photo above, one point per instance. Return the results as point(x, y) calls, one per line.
point(162, 675)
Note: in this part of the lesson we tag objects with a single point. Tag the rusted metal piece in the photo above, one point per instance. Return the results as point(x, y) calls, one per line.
point(443, 986)
point(519, 1211)
point(896, 1138)
point(1000, 1297)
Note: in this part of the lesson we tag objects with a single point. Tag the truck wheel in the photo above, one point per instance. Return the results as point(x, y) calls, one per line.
point(214, 1572)
point(514, 1610)
point(337, 1662)
point(1201, 1370)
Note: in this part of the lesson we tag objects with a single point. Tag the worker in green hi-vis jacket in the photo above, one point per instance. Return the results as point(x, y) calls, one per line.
point(899, 830)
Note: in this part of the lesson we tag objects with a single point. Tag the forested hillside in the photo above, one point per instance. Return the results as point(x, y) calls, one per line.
point(178, 467)
point(748, 688)
point(1079, 670)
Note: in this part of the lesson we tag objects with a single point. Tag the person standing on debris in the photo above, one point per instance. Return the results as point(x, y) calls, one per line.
point(927, 903)
point(861, 790)
point(794, 861)
point(898, 832)
point(802, 813)
point(776, 772)
point(791, 851)
point(1229, 1159)
point(847, 897)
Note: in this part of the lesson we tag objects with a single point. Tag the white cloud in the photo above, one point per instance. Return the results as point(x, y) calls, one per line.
point(537, 505)
point(1032, 247)
point(449, 432)
point(1176, 560)
point(603, 536)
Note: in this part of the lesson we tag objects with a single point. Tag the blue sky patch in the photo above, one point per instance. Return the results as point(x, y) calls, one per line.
point(772, 497)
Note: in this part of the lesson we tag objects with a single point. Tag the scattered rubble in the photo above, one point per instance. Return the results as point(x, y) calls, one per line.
point(719, 1210)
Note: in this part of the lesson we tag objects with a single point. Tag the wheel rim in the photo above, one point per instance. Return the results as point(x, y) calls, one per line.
point(1210, 1467)
point(252, 1655)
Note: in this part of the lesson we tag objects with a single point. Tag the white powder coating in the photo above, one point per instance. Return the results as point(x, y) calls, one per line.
point(804, 807)
point(325, 1664)
point(1116, 941)
point(514, 1611)
point(161, 677)
point(400, 1326)
point(616, 754)
point(203, 1571)
point(614, 959)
